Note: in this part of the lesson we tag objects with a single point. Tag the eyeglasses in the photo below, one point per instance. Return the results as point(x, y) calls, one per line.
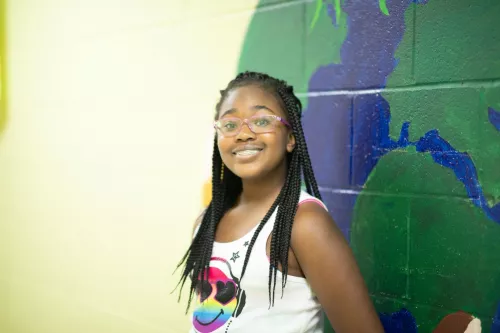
point(257, 124)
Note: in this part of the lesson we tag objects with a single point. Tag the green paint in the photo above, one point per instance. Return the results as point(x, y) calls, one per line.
point(285, 50)
point(452, 249)
point(460, 45)
point(338, 10)
point(276, 49)
point(439, 252)
point(317, 13)
point(419, 241)
point(383, 7)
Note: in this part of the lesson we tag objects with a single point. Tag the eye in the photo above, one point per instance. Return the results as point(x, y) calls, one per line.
point(228, 125)
point(262, 122)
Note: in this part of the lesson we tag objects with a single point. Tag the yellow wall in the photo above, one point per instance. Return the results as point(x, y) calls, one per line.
point(99, 180)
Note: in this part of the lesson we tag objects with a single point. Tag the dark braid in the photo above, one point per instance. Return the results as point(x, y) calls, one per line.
point(226, 188)
point(293, 103)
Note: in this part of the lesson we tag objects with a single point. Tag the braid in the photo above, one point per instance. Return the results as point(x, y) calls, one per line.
point(291, 102)
point(226, 188)
point(282, 230)
point(197, 258)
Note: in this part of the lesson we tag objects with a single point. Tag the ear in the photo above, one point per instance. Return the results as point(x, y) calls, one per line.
point(290, 146)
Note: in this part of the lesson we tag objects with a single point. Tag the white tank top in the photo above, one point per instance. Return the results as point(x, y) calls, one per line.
point(227, 304)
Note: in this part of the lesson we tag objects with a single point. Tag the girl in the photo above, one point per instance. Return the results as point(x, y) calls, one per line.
point(260, 221)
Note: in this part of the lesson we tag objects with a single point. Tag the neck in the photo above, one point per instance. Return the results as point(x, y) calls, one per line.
point(264, 189)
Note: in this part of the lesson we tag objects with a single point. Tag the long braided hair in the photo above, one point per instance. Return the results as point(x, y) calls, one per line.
point(226, 188)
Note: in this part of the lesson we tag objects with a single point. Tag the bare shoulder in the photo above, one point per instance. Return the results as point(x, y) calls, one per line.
point(312, 221)
point(331, 270)
point(316, 235)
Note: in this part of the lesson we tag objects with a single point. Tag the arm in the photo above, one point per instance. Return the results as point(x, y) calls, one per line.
point(330, 268)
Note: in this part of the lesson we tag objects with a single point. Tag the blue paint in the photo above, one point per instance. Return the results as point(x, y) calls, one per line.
point(401, 321)
point(495, 326)
point(462, 165)
point(373, 141)
point(332, 13)
point(358, 127)
point(494, 117)
point(355, 127)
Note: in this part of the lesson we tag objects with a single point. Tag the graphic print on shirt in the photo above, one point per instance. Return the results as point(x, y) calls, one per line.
point(219, 299)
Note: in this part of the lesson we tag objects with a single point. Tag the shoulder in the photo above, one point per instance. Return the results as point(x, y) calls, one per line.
point(312, 216)
point(314, 230)
point(311, 220)
point(331, 270)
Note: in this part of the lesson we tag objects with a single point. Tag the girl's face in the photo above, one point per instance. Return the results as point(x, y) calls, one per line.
point(247, 154)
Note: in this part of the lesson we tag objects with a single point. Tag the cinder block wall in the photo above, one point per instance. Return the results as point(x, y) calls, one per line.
point(402, 120)
point(401, 112)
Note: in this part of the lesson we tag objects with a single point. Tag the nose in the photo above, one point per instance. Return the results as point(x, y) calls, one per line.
point(245, 133)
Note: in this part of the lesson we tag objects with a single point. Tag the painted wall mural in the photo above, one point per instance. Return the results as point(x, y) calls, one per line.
point(402, 120)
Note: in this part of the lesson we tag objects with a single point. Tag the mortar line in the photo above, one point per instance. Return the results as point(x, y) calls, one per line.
point(493, 83)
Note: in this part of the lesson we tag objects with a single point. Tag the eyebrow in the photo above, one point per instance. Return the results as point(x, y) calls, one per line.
point(254, 108)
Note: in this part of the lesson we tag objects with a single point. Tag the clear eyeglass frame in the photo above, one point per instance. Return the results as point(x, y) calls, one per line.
point(267, 124)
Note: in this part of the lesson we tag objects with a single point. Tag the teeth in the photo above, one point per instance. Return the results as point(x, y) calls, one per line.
point(247, 152)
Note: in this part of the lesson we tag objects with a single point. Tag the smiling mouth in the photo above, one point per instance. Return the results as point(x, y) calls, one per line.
point(247, 152)
point(212, 321)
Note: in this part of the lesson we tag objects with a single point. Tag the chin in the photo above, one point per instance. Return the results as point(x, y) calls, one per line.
point(248, 172)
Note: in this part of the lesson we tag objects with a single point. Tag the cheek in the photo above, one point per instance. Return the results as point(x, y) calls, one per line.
point(223, 144)
point(225, 147)
point(277, 141)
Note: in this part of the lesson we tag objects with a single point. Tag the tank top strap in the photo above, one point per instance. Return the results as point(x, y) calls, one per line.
point(268, 228)
point(306, 197)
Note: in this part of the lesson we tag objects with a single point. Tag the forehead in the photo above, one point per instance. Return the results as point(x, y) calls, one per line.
point(243, 99)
